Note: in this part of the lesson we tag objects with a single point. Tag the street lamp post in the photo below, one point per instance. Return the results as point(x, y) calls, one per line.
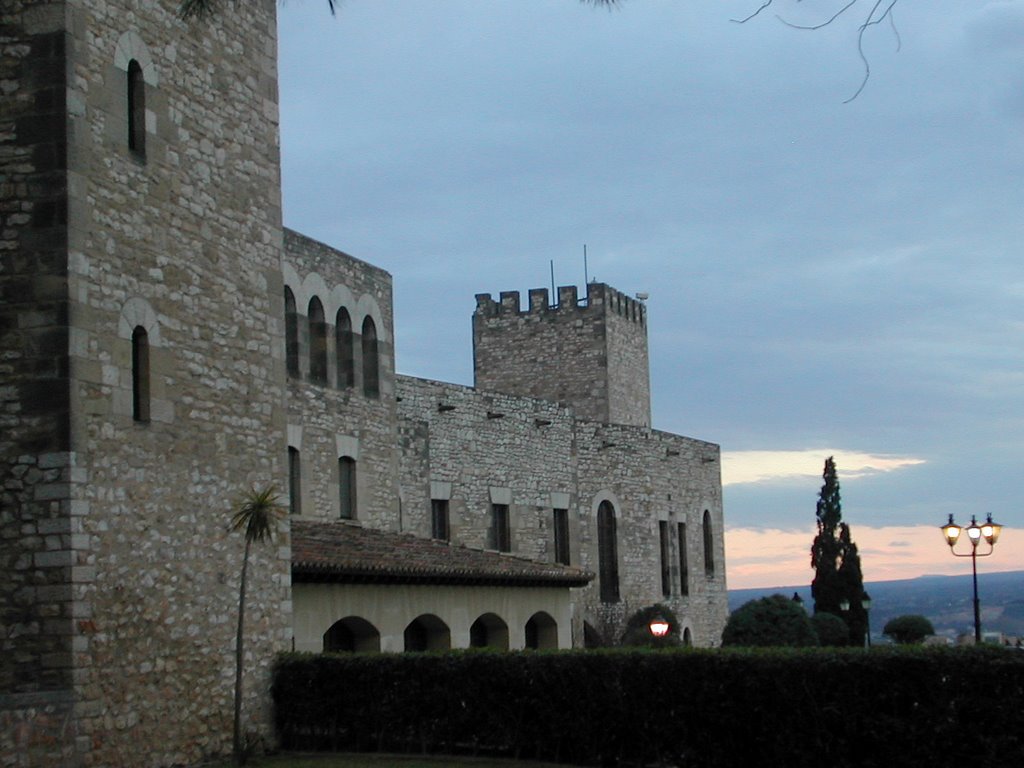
point(989, 531)
point(865, 603)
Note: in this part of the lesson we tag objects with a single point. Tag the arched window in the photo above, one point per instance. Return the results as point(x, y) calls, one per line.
point(709, 546)
point(607, 553)
point(351, 634)
point(294, 481)
point(371, 359)
point(489, 631)
point(687, 637)
point(346, 353)
point(347, 487)
point(317, 342)
point(136, 109)
point(427, 633)
point(291, 333)
point(541, 632)
point(140, 374)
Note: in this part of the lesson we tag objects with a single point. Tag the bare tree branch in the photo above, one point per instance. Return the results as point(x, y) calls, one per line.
point(880, 11)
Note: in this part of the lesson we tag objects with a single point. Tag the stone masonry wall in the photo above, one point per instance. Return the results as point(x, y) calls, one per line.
point(650, 476)
point(591, 354)
point(328, 420)
point(479, 441)
point(184, 241)
point(35, 592)
point(629, 382)
point(470, 443)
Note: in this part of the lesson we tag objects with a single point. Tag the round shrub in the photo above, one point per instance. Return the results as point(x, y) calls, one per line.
point(769, 621)
point(908, 629)
point(831, 629)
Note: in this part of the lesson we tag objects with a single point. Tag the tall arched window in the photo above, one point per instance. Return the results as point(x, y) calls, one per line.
point(347, 487)
point(291, 333)
point(136, 109)
point(607, 553)
point(317, 342)
point(140, 374)
point(346, 354)
point(371, 359)
point(709, 546)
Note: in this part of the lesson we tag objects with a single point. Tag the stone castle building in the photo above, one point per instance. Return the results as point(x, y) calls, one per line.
point(165, 344)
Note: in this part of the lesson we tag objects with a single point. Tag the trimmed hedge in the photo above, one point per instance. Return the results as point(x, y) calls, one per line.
point(725, 708)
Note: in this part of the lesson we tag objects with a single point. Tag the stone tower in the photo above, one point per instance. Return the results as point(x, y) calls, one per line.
point(590, 353)
point(143, 376)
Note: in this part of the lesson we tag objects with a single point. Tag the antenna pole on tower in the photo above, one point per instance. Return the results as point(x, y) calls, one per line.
point(586, 274)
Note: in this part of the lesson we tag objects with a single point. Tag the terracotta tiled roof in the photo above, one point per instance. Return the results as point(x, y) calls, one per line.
point(336, 551)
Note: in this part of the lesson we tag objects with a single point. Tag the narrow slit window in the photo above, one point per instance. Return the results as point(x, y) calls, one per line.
point(347, 487)
point(140, 374)
point(607, 553)
point(291, 333)
point(709, 546)
point(666, 558)
point(294, 481)
point(560, 523)
point(136, 109)
point(684, 565)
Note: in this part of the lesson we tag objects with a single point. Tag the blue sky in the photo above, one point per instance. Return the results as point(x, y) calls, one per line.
point(824, 277)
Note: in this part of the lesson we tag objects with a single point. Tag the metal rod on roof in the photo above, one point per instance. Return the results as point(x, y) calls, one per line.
point(586, 274)
point(553, 294)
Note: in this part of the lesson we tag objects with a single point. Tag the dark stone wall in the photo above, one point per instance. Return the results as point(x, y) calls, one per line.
point(34, 384)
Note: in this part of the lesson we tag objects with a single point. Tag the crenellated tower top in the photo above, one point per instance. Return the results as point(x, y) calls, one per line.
point(589, 352)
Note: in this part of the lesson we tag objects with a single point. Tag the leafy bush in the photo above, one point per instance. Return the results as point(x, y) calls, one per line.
point(907, 706)
point(911, 628)
point(830, 629)
point(769, 621)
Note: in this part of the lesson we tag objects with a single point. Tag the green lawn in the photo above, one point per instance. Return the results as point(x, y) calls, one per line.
point(353, 760)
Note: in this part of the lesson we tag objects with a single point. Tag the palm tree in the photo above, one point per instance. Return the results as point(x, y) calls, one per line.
point(257, 514)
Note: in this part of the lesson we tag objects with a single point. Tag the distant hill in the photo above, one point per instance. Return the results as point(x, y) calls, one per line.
point(945, 600)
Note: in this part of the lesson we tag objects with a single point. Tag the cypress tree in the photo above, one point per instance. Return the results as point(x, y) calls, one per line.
point(836, 562)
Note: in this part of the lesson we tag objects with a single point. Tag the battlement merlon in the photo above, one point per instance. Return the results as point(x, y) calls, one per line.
point(600, 297)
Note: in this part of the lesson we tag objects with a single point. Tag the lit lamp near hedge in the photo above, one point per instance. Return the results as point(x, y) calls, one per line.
point(659, 627)
point(988, 531)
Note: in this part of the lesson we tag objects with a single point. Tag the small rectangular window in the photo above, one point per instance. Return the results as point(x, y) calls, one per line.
point(666, 569)
point(501, 538)
point(684, 567)
point(561, 528)
point(439, 519)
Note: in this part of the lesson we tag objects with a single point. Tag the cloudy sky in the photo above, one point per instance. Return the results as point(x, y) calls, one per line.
point(825, 277)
